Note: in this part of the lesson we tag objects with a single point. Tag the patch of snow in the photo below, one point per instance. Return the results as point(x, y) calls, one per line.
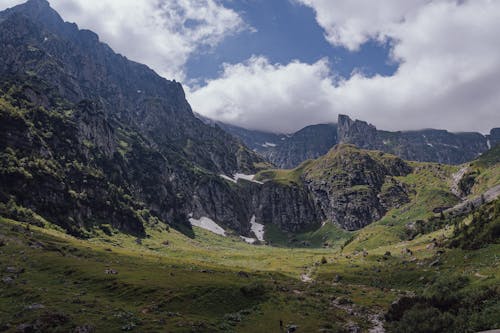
point(228, 178)
point(207, 224)
point(427, 141)
point(385, 142)
point(250, 178)
point(45, 39)
point(269, 144)
point(283, 138)
point(249, 240)
point(237, 176)
point(139, 91)
point(488, 143)
point(452, 146)
point(257, 228)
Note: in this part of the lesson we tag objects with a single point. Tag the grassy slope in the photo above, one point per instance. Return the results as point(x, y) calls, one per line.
point(189, 285)
point(193, 285)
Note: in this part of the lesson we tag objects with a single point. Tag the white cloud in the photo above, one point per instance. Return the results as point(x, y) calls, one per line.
point(350, 23)
point(273, 97)
point(449, 73)
point(160, 33)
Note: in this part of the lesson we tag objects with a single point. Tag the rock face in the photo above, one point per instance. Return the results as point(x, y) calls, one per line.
point(290, 150)
point(426, 145)
point(89, 138)
point(494, 137)
point(309, 143)
point(355, 188)
point(291, 207)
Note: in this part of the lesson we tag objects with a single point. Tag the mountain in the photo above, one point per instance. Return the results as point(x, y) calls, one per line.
point(494, 137)
point(85, 129)
point(349, 187)
point(258, 141)
point(287, 151)
point(428, 145)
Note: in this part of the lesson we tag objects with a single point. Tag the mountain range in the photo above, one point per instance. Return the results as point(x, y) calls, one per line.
point(428, 145)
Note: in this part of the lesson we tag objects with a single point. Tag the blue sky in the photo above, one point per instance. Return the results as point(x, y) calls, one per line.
point(286, 31)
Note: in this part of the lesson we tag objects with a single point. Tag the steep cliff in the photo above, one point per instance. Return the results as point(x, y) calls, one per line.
point(90, 138)
point(348, 186)
point(355, 188)
point(425, 145)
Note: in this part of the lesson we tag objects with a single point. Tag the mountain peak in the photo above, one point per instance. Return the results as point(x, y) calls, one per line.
point(39, 11)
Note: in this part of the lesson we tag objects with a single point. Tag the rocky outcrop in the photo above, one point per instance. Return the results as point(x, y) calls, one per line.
point(290, 207)
point(426, 145)
point(355, 188)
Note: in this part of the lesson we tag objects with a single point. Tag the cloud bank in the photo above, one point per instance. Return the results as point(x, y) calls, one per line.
point(448, 77)
point(270, 97)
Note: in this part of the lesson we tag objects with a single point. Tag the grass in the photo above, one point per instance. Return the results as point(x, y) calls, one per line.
point(209, 283)
point(168, 282)
point(285, 176)
point(157, 287)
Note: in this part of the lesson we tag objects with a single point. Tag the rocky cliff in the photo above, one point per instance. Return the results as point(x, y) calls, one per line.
point(355, 188)
point(428, 145)
point(348, 186)
point(90, 138)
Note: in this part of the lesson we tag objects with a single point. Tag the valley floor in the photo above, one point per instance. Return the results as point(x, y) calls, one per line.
point(167, 282)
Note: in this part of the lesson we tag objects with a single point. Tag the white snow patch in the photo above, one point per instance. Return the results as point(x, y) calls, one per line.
point(283, 138)
point(430, 144)
point(237, 176)
point(228, 178)
point(249, 240)
point(45, 39)
point(250, 178)
point(208, 224)
point(385, 142)
point(139, 91)
point(269, 144)
point(257, 228)
point(488, 143)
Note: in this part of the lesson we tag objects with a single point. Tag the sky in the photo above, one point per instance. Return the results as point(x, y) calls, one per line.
point(280, 65)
